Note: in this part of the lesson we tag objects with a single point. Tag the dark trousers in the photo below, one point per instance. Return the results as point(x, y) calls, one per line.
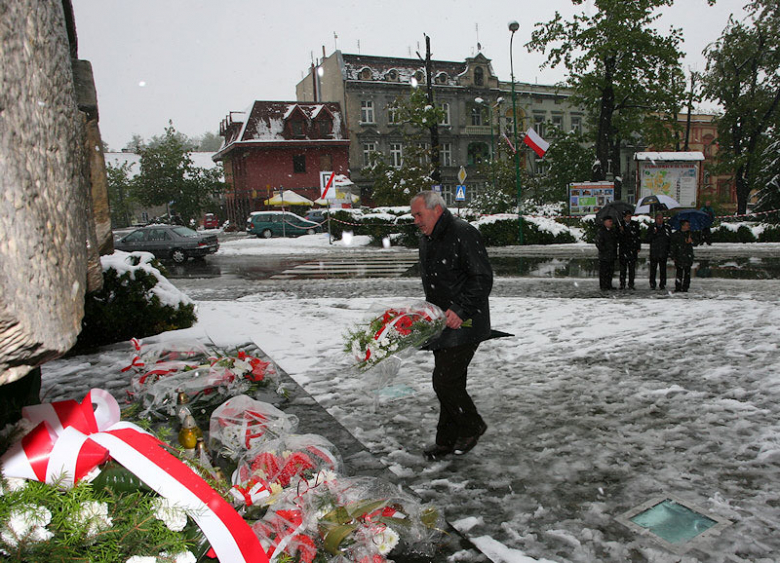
point(458, 416)
point(606, 271)
point(17, 394)
point(660, 265)
point(682, 280)
point(627, 266)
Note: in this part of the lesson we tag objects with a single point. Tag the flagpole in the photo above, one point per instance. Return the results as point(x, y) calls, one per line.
point(514, 26)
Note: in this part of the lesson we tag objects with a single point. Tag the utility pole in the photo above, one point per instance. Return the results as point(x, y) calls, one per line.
point(433, 127)
point(691, 96)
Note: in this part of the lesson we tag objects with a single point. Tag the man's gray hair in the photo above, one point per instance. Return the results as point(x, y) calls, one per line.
point(431, 199)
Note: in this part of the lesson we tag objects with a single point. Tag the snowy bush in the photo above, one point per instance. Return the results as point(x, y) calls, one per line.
point(137, 300)
point(502, 230)
point(733, 232)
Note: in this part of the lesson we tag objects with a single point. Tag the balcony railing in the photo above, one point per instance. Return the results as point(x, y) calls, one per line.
point(477, 130)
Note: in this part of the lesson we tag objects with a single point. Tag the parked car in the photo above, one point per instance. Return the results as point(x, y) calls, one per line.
point(169, 241)
point(266, 224)
point(317, 215)
point(210, 221)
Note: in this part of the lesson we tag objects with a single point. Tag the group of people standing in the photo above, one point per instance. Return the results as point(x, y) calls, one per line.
point(623, 242)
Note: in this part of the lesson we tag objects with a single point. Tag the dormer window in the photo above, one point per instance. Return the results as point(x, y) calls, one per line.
point(419, 76)
point(392, 75)
point(365, 73)
point(324, 127)
point(479, 76)
point(441, 78)
point(296, 128)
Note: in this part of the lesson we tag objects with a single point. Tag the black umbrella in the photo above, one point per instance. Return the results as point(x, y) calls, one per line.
point(615, 210)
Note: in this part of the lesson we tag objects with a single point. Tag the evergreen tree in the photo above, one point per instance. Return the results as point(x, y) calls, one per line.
point(742, 76)
point(621, 69)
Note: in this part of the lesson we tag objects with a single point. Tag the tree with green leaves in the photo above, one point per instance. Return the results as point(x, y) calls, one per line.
point(625, 73)
point(395, 185)
point(169, 177)
point(120, 194)
point(742, 76)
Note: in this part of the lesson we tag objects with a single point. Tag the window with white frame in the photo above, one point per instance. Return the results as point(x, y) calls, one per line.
point(576, 124)
point(393, 114)
point(476, 115)
point(539, 122)
point(557, 121)
point(396, 155)
point(368, 150)
point(367, 111)
point(445, 109)
point(445, 154)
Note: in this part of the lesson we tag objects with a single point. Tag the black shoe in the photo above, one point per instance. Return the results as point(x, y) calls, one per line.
point(662, 287)
point(653, 287)
point(437, 452)
point(464, 445)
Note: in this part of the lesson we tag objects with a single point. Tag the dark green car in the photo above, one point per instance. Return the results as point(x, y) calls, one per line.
point(267, 224)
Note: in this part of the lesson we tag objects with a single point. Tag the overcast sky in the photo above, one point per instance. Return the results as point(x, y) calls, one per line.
point(193, 61)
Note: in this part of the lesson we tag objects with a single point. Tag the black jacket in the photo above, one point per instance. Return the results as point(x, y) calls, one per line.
point(659, 238)
point(681, 250)
point(629, 241)
point(457, 275)
point(607, 243)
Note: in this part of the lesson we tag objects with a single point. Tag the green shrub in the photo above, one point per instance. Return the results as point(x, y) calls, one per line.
point(770, 234)
point(724, 234)
point(127, 308)
point(504, 232)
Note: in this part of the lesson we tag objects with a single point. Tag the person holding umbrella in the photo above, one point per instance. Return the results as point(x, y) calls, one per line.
point(658, 236)
point(629, 244)
point(681, 249)
point(607, 244)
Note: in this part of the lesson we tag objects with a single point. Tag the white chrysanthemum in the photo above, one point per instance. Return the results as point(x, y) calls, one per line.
point(142, 559)
point(183, 557)
point(386, 540)
point(357, 351)
point(93, 517)
point(174, 517)
point(240, 367)
point(27, 523)
point(14, 484)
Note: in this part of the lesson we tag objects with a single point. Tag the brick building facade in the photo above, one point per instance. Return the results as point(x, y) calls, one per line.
point(276, 146)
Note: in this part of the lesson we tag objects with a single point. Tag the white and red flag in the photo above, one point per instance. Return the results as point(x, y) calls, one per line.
point(533, 140)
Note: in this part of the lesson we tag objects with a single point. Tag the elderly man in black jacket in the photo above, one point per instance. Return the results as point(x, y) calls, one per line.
point(456, 276)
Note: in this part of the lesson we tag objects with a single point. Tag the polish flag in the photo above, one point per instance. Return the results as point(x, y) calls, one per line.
point(533, 140)
point(508, 142)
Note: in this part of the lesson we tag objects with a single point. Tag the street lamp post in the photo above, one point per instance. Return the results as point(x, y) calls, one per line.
point(514, 26)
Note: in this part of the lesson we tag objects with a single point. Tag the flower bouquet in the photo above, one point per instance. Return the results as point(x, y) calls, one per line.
point(206, 384)
point(392, 331)
point(243, 423)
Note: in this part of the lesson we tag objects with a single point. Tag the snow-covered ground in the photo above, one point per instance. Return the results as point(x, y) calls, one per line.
point(595, 405)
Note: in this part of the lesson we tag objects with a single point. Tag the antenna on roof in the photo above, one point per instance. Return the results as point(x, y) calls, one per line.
point(476, 27)
point(335, 41)
point(358, 46)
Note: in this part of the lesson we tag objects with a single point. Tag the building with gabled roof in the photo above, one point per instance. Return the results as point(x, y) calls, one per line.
point(477, 109)
point(275, 146)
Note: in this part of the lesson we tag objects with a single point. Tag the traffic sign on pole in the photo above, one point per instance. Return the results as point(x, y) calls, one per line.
point(460, 193)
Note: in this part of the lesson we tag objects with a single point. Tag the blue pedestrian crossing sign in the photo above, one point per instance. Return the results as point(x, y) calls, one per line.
point(460, 193)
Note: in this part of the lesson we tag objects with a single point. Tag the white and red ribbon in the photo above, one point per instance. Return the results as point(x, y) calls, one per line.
point(72, 438)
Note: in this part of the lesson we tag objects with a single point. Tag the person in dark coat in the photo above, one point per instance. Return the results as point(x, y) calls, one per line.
point(607, 244)
point(629, 244)
point(681, 250)
point(658, 236)
point(456, 276)
point(706, 232)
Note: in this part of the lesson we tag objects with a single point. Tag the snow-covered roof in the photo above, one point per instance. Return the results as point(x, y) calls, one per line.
point(266, 121)
point(669, 156)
